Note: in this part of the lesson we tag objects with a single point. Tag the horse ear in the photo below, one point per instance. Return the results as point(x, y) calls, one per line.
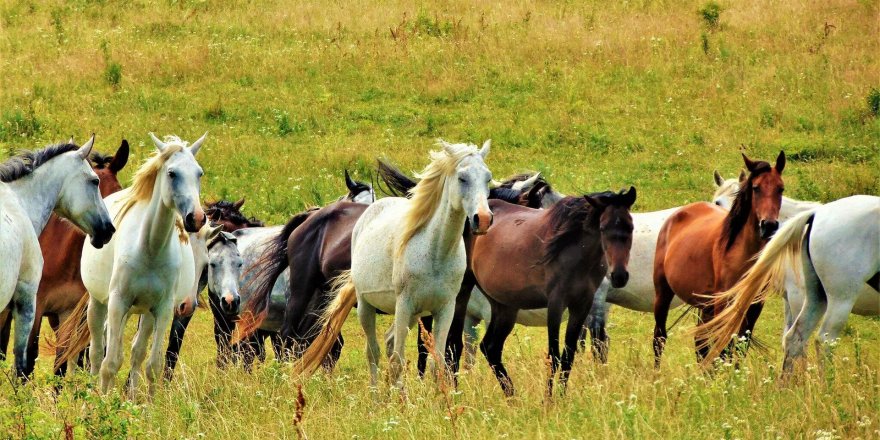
point(750, 165)
point(780, 162)
point(237, 205)
point(86, 149)
point(595, 202)
point(120, 158)
point(718, 179)
point(212, 231)
point(194, 148)
point(486, 146)
point(629, 198)
point(349, 183)
point(214, 214)
point(159, 144)
point(742, 176)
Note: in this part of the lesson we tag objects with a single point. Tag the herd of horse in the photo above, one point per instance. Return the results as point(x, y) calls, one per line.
point(447, 249)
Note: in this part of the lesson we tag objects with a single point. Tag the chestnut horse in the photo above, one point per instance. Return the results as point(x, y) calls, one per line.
point(554, 258)
point(61, 243)
point(703, 249)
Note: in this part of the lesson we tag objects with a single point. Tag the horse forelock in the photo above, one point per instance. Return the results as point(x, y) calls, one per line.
point(26, 162)
point(144, 179)
point(426, 195)
point(742, 206)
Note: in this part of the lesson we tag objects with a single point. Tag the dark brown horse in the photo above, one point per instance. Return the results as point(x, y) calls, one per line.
point(703, 249)
point(61, 244)
point(554, 258)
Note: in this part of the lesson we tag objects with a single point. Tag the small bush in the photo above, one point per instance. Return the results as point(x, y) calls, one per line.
point(873, 101)
point(711, 15)
point(113, 73)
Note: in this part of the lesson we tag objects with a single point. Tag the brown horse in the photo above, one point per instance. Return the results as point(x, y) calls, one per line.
point(703, 249)
point(554, 258)
point(61, 243)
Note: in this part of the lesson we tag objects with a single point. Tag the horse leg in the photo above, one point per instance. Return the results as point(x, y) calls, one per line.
point(663, 295)
point(367, 317)
point(223, 327)
point(815, 302)
point(555, 308)
point(139, 352)
point(700, 347)
point(33, 345)
point(836, 315)
point(261, 345)
point(116, 317)
point(23, 308)
point(455, 344)
point(5, 327)
point(470, 341)
point(443, 317)
point(427, 323)
point(96, 317)
point(576, 318)
point(163, 314)
point(492, 346)
point(403, 317)
point(596, 323)
point(333, 357)
point(175, 342)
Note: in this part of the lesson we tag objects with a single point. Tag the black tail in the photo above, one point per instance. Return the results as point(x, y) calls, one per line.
point(266, 270)
point(397, 184)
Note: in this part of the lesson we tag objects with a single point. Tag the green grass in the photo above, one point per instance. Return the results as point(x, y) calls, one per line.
point(595, 95)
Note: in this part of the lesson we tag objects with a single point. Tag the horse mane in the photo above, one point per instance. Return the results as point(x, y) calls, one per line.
point(397, 184)
point(26, 162)
point(427, 193)
point(100, 160)
point(145, 177)
point(568, 218)
point(742, 206)
point(506, 194)
point(231, 213)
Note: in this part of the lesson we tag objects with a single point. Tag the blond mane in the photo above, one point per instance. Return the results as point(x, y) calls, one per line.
point(144, 181)
point(426, 195)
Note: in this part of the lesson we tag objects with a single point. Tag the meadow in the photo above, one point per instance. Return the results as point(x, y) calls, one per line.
point(595, 95)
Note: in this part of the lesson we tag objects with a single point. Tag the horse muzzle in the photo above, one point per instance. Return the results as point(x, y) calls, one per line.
point(102, 235)
point(229, 304)
point(767, 228)
point(481, 221)
point(194, 221)
point(619, 278)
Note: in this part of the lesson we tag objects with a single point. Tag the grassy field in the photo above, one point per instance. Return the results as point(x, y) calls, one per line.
point(596, 95)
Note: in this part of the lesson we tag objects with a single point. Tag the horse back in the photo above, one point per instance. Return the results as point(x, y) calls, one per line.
point(685, 248)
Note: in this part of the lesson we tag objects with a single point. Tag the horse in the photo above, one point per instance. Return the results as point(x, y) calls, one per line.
point(35, 184)
point(526, 189)
point(61, 245)
point(228, 214)
point(554, 258)
point(703, 249)
point(408, 257)
point(149, 267)
point(252, 244)
point(726, 190)
point(835, 247)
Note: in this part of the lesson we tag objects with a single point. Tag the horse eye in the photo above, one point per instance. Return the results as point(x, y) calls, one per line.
point(462, 180)
point(756, 189)
point(96, 182)
point(172, 174)
point(214, 265)
point(781, 190)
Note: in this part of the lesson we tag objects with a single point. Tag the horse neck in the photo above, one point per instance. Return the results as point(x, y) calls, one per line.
point(38, 194)
point(159, 222)
point(749, 240)
point(792, 207)
point(445, 226)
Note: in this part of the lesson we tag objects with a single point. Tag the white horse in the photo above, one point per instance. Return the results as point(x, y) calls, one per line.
point(837, 247)
point(408, 256)
point(33, 185)
point(148, 267)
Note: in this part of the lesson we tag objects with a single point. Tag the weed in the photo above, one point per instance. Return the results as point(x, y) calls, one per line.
point(711, 15)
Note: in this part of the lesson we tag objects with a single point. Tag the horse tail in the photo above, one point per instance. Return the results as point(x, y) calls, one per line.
point(73, 334)
point(397, 183)
point(764, 278)
point(266, 270)
point(344, 299)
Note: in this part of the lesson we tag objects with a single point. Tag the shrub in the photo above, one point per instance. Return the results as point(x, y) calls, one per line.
point(113, 73)
point(711, 14)
point(873, 101)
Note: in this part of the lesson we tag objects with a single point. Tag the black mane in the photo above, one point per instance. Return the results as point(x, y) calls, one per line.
point(100, 160)
point(570, 216)
point(229, 212)
point(742, 206)
point(26, 162)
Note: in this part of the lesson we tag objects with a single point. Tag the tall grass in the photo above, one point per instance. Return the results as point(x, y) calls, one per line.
point(596, 95)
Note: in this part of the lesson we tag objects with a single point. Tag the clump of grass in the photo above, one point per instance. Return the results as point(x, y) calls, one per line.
point(216, 113)
point(58, 24)
point(113, 74)
point(711, 15)
point(873, 101)
point(18, 124)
